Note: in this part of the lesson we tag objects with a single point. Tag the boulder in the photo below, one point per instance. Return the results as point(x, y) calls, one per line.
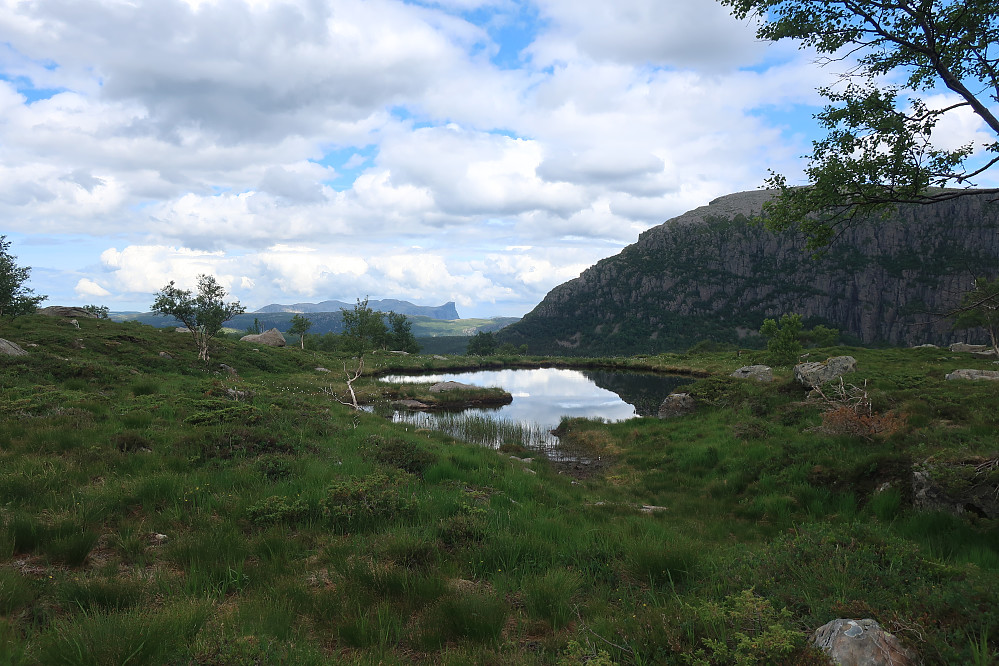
point(321, 369)
point(165, 355)
point(409, 404)
point(963, 347)
point(271, 338)
point(676, 404)
point(860, 643)
point(451, 386)
point(761, 373)
point(974, 374)
point(8, 348)
point(818, 373)
point(182, 329)
point(228, 369)
point(988, 355)
point(65, 311)
point(964, 487)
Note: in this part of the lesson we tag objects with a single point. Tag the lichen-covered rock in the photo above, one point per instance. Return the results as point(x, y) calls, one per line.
point(271, 338)
point(963, 347)
point(761, 373)
point(974, 374)
point(66, 311)
point(677, 404)
point(860, 643)
point(818, 373)
point(8, 348)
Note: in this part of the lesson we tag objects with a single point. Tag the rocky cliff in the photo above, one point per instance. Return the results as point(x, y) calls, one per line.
point(712, 274)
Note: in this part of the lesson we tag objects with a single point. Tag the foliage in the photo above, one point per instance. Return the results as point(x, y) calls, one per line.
point(482, 344)
point(277, 509)
point(879, 148)
point(15, 298)
point(363, 328)
point(783, 346)
point(400, 334)
point(819, 336)
point(99, 311)
point(203, 314)
point(980, 307)
point(300, 325)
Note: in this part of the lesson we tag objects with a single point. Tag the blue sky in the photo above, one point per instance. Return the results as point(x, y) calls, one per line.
point(477, 151)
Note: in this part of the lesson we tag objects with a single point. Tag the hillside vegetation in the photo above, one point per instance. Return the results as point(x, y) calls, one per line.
point(158, 510)
point(711, 274)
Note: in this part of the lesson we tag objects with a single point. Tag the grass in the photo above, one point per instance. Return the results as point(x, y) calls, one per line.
point(148, 517)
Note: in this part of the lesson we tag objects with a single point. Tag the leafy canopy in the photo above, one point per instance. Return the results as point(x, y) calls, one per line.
point(15, 298)
point(203, 314)
point(300, 325)
point(783, 344)
point(980, 308)
point(878, 150)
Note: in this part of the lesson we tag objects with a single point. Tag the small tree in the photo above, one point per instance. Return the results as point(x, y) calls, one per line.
point(783, 343)
point(400, 335)
point(980, 307)
point(15, 298)
point(363, 328)
point(299, 326)
point(203, 314)
point(255, 328)
point(99, 311)
point(482, 344)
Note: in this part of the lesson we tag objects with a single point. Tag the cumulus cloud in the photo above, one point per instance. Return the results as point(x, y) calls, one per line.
point(332, 149)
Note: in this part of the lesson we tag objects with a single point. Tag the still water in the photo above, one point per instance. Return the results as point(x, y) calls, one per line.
point(543, 396)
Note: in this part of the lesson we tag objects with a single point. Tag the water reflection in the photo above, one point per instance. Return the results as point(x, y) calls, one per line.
point(544, 396)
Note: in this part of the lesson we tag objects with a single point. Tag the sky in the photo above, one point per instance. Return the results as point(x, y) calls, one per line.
point(476, 151)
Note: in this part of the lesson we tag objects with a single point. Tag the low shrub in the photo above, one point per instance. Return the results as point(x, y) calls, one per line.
point(362, 503)
point(277, 509)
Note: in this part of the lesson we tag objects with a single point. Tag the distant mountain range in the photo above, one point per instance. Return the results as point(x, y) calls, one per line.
point(428, 321)
point(712, 274)
point(446, 311)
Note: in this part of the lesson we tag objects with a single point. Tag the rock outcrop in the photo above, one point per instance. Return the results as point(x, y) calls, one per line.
point(968, 373)
point(66, 311)
point(761, 373)
point(271, 338)
point(677, 404)
point(440, 387)
point(8, 348)
point(818, 373)
point(712, 274)
point(860, 643)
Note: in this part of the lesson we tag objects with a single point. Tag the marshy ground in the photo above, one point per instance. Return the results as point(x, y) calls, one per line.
point(149, 516)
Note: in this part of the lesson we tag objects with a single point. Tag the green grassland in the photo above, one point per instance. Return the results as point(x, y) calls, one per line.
point(158, 510)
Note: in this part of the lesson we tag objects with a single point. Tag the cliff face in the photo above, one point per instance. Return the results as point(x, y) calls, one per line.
point(711, 274)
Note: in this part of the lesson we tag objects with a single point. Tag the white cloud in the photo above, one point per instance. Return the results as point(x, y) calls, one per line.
point(87, 287)
point(303, 148)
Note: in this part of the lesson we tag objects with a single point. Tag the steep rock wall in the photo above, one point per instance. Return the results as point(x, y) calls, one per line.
point(711, 274)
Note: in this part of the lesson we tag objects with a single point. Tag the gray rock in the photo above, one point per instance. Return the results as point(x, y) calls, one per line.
point(321, 369)
point(451, 386)
point(8, 348)
point(969, 487)
point(860, 643)
point(974, 374)
point(761, 373)
point(988, 355)
point(409, 404)
point(962, 347)
point(165, 355)
point(228, 369)
point(238, 395)
point(271, 338)
point(74, 323)
point(818, 373)
point(676, 404)
point(65, 311)
point(182, 329)
point(439, 357)
point(926, 346)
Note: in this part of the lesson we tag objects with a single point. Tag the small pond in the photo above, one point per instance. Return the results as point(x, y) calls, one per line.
point(541, 398)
